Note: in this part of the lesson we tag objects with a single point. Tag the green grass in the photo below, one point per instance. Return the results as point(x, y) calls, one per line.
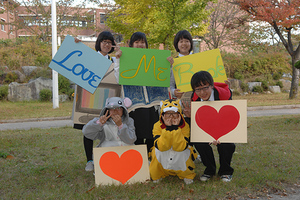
point(268, 99)
point(34, 109)
point(49, 164)
point(37, 109)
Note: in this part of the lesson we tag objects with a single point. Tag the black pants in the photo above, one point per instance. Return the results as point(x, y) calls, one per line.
point(88, 147)
point(225, 151)
point(148, 142)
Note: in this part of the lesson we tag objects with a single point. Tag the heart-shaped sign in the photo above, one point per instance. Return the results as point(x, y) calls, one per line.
point(121, 168)
point(217, 124)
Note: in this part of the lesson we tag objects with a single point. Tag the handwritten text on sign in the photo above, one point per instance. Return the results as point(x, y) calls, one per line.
point(184, 68)
point(80, 64)
point(144, 67)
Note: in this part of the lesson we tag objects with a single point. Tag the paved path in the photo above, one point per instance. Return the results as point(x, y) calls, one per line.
point(26, 124)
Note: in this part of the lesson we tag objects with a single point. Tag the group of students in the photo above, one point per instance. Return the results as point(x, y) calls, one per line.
point(165, 131)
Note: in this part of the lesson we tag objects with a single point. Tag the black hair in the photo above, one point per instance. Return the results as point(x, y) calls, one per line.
point(105, 35)
point(184, 34)
point(136, 37)
point(201, 78)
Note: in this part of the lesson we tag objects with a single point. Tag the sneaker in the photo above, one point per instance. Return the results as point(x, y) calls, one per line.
point(188, 181)
point(157, 181)
point(226, 178)
point(205, 177)
point(89, 166)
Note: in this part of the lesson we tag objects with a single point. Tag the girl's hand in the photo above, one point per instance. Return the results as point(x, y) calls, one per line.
point(215, 142)
point(76, 40)
point(117, 119)
point(118, 54)
point(171, 60)
point(186, 109)
point(167, 120)
point(104, 118)
point(176, 120)
point(177, 93)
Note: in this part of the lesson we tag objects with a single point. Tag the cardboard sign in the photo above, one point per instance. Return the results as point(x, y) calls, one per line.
point(185, 67)
point(225, 121)
point(80, 64)
point(144, 67)
point(120, 165)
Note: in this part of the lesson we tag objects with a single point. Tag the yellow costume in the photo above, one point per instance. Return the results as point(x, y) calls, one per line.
point(171, 154)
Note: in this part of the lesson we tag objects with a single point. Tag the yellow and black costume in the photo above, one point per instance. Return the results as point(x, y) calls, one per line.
point(171, 153)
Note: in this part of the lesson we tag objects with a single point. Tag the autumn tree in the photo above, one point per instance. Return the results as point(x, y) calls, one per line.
point(284, 17)
point(159, 20)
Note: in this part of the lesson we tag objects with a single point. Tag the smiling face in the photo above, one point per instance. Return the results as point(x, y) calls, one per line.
point(184, 46)
point(139, 44)
point(204, 91)
point(106, 46)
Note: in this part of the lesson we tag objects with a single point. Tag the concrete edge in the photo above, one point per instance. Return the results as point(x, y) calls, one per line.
point(273, 107)
point(69, 117)
point(35, 119)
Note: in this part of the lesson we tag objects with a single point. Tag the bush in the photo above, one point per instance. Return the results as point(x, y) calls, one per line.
point(258, 89)
point(265, 85)
point(10, 77)
point(45, 95)
point(64, 86)
point(276, 76)
point(244, 87)
point(255, 64)
point(280, 84)
point(3, 92)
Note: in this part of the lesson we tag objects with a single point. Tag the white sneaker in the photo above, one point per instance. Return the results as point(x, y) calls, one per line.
point(188, 181)
point(89, 166)
point(205, 177)
point(226, 178)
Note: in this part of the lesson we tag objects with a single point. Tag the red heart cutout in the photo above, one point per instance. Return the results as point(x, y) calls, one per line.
point(121, 168)
point(217, 124)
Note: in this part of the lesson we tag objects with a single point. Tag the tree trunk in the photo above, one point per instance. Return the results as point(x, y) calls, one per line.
point(295, 80)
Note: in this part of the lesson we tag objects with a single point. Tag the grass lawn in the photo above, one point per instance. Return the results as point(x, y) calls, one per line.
point(36, 109)
point(49, 164)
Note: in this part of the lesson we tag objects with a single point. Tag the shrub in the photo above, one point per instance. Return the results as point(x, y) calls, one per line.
point(276, 76)
point(3, 92)
point(280, 84)
point(45, 95)
point(265, 85)
point(244, 87)
point(258, 89)
point(10, 77)
point(238, 75)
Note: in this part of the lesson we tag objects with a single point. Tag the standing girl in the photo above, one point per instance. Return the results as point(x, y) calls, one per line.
point(144, 118)
point(104, 46)
point(183, 43)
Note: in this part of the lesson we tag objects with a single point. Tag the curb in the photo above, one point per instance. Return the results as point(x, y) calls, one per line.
point(273, 107)
point(69, 117)
point(35, 119)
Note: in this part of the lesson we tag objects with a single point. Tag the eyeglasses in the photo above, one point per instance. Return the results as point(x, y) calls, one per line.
point(204, 89)
point(106, 42)
point(174, 115)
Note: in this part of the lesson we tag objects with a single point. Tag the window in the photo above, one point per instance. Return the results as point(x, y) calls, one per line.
point(102, 18)
point(2, 24)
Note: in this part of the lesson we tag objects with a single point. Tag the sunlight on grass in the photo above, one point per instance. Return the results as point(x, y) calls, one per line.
point(33, 109)
point(49, 164)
